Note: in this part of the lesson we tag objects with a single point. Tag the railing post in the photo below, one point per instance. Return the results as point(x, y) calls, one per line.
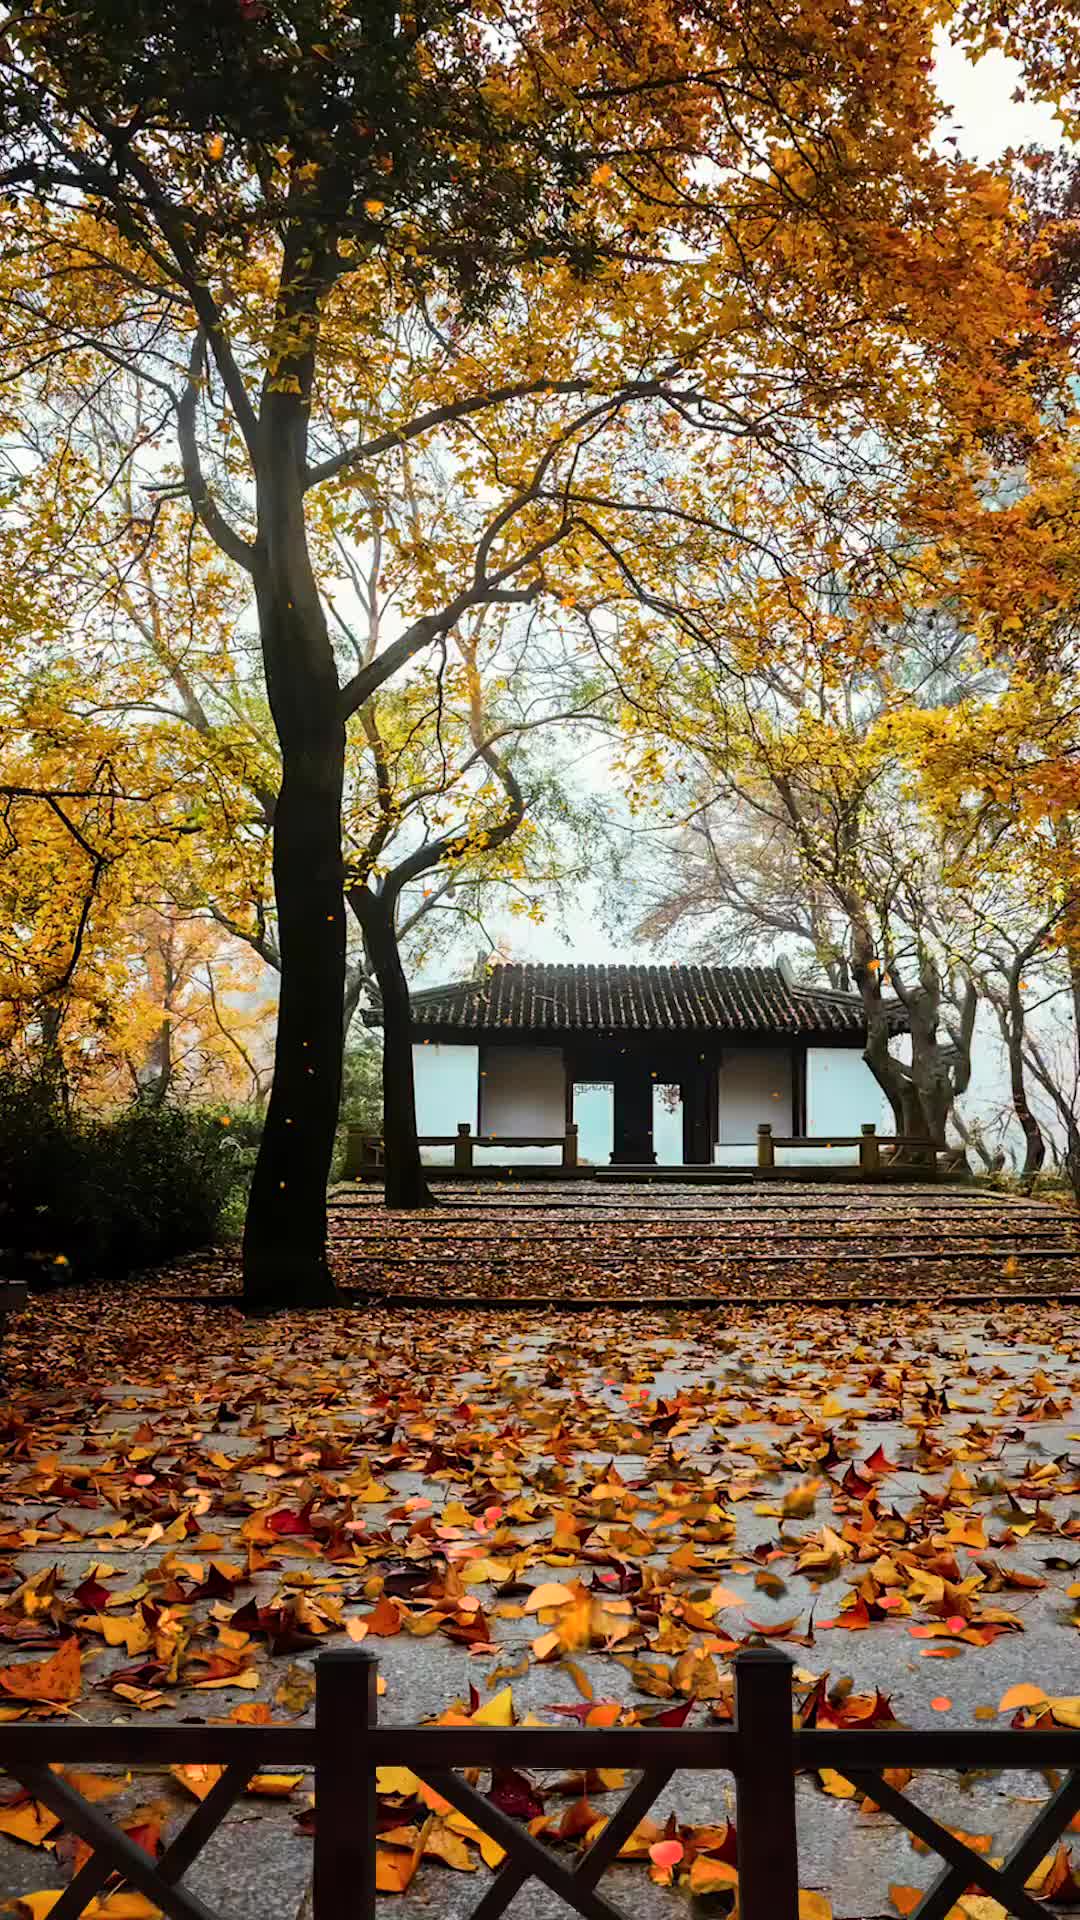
point(766, 1152)
point(354, 1152)
point(765, 1787)
point(869, 1148)
point(463, 1148)
point(569, 1151)
point(346, 1709)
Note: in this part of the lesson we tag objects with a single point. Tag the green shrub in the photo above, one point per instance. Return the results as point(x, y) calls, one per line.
point(81, 1195)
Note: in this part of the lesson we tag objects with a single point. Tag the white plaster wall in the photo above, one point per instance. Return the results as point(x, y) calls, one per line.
point(445, 1079)
point(522, 1090)
point(841, 1096)
point(755, 1085)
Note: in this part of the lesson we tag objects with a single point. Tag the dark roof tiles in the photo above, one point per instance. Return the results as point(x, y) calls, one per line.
point(561, 999)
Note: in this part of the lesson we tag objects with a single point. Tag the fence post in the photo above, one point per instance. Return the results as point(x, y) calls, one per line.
point(765, 1787)
point(354, 1152)
point(346, 1708)
point(463, 1147)
point(869, 1148)
point(569, 1151)
point(766, 1152)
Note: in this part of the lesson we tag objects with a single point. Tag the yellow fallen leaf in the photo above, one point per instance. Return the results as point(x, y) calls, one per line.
point(496, 1712)
point(835, 1784)
point(29, 1821)
point(116, 1906)
point(1022, 1695)
point(397, 1780)
point(711, 1876)
point(249, 1678)
point(813, 1905)
point(273, 1786)
point(549, 1594)
point(490, 1851)
point(197, 1779)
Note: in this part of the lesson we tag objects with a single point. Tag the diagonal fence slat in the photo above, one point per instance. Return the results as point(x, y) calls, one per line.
point(513, 1874)
point(993, 1880)
point(126, 1857)
point(1021, 1861)
point(521, 1847)
point(178, 1856)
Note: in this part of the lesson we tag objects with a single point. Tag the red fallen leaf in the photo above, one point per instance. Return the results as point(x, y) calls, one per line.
point(216, 1586)
point(514, 1794)
point(91, 1596)
point(876, 1462)
point(147, 1835)
point(666, 1853)
point(776, 1629)
point(286, 1521)
point(671, 1716)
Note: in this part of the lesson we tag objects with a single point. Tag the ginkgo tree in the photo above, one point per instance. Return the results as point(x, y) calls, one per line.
point(318, 233)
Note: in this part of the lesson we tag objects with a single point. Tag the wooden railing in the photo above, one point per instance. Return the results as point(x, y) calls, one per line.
point(763, 1749)
point(868, 1140)
point(366, 1149)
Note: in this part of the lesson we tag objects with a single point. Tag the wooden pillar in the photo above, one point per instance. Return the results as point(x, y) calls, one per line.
point(869, 1149)
point(463, 1148)
point(765, 1786)
point(569, 1152)
point(766, 1152)
point(633, 1144)
point(346, 1708)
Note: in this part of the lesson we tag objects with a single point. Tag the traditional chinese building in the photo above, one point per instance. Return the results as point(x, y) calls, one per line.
point(695, 1058)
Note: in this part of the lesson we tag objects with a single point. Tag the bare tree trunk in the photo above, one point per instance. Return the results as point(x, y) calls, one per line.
point(1013, 1033)
point(285, 1261)
point(405, 1180)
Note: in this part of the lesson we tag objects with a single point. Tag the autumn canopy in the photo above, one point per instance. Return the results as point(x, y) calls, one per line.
point(386, 390)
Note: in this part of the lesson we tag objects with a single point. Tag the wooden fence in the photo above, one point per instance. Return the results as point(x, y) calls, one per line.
point(366, 1149)
point(921, 1153)
point(763, 1750)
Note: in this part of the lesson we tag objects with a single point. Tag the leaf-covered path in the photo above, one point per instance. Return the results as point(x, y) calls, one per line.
point(545, 1242)
point(198, 1503)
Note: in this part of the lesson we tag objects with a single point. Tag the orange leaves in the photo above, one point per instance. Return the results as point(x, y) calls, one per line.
point(57, 1679)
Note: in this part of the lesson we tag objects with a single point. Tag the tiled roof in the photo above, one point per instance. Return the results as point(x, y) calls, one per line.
point(557, 999)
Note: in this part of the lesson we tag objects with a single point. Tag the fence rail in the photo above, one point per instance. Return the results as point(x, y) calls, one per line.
point(868, 1140)
point(763, 1749)
point(367, 1149)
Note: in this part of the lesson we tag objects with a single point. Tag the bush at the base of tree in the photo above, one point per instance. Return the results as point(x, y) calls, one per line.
point(82, 1195)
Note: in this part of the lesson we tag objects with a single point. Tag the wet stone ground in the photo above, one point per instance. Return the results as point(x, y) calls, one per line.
point(889, 1493)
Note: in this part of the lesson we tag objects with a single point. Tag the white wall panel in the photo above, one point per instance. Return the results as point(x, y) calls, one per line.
point(445, 1079)
point(755, 1085)
point(523, 1090)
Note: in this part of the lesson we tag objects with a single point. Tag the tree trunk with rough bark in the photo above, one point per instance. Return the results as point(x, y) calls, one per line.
point(285, 1259)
